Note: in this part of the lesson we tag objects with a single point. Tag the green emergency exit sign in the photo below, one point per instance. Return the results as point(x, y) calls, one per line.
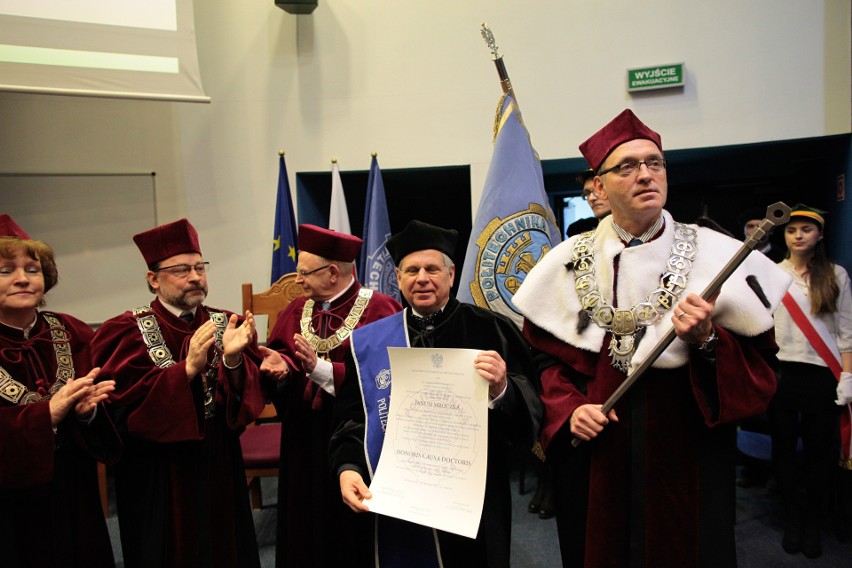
point(656, 77)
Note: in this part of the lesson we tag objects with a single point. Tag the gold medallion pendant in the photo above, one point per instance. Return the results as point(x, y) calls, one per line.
point(624, 323)
point(323, 346)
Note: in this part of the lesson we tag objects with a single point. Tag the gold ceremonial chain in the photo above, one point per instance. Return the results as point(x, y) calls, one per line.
point(324, 346)
point(18, 393)
point(162, 356)
point(624, 323)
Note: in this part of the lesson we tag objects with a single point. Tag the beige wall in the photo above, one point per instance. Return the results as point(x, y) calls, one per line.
point(414, 82)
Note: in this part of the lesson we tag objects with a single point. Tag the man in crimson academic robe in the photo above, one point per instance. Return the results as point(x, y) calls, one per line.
point(312, 337)
point(187, 382)
point(657, 471)
point(425, 271)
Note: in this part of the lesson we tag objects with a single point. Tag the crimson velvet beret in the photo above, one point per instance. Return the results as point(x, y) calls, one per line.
point(167, 240)
point(328, 243)
point(623, 128)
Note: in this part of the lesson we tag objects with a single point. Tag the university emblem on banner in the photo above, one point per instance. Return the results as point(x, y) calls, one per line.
point(383, 379)
point(508, 248)
point(381, 271)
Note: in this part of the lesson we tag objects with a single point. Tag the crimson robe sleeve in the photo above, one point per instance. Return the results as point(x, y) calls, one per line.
point(28, 441)
point(149, 402)
point(741, 380)
point(27, 444)
point(564, 372)
point(161, 404)
point(244, 406)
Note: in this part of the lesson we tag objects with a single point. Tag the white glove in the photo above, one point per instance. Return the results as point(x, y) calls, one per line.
point(844, 389)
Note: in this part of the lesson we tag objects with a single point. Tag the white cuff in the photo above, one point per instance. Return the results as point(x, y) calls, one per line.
point(493, 401)
point(323, 376)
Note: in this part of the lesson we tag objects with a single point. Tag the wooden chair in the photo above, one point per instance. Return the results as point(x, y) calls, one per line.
point(271, 301)
point(261, 441)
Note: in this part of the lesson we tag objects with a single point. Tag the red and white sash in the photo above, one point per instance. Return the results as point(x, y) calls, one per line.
point(824, 344)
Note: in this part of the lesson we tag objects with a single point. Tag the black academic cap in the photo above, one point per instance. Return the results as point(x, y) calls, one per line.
point(418, 235)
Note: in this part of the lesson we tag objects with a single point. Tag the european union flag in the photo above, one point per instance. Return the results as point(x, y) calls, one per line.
point(514, 226)
point(376, 267)
point(284, 241)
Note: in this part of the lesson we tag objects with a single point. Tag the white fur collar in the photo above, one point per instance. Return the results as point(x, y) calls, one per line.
point(548, 298)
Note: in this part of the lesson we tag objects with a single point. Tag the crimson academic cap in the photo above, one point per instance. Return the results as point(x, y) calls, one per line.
point(328, 243)
point(623, 128)
point(8, 228)
point(167, 240)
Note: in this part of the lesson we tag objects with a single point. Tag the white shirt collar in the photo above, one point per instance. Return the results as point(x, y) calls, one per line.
point(339, 294)
point(644, 237)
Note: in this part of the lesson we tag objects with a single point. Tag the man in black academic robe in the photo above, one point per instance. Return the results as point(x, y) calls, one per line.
point(425, 272)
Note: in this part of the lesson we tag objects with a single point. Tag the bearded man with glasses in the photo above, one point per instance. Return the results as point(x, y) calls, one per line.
point(309, 342)
point(187, 383)
point(652, 484)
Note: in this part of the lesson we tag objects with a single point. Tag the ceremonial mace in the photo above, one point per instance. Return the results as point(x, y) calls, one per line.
point(776, 214)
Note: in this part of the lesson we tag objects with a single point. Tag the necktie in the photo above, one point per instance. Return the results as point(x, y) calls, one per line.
point(634, 242)
point(187, 317)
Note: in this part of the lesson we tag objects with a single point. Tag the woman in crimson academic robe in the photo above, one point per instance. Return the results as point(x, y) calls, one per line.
point(51, 427)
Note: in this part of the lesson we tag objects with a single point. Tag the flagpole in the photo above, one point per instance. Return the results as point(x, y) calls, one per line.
point(505, 83)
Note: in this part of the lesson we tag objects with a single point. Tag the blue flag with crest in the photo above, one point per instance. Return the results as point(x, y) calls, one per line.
point(284, 241)
point(376, 268)
point(514, 226)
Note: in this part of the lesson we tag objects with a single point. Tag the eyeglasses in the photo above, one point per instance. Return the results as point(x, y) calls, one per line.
point(307, 272)
point(182, 270)
point(587, 193)
point(628, 167)
point(431, 270)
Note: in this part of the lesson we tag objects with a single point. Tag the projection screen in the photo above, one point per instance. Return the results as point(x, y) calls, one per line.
point(106, 48)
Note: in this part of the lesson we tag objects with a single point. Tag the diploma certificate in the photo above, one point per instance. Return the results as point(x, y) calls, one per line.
point(433, 461)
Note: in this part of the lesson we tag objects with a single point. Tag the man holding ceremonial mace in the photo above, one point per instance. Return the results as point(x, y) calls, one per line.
point(666, 460)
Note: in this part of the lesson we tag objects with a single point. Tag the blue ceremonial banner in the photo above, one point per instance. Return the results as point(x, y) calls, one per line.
point(284, 241)
point(376, 267)
point(514, 226)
